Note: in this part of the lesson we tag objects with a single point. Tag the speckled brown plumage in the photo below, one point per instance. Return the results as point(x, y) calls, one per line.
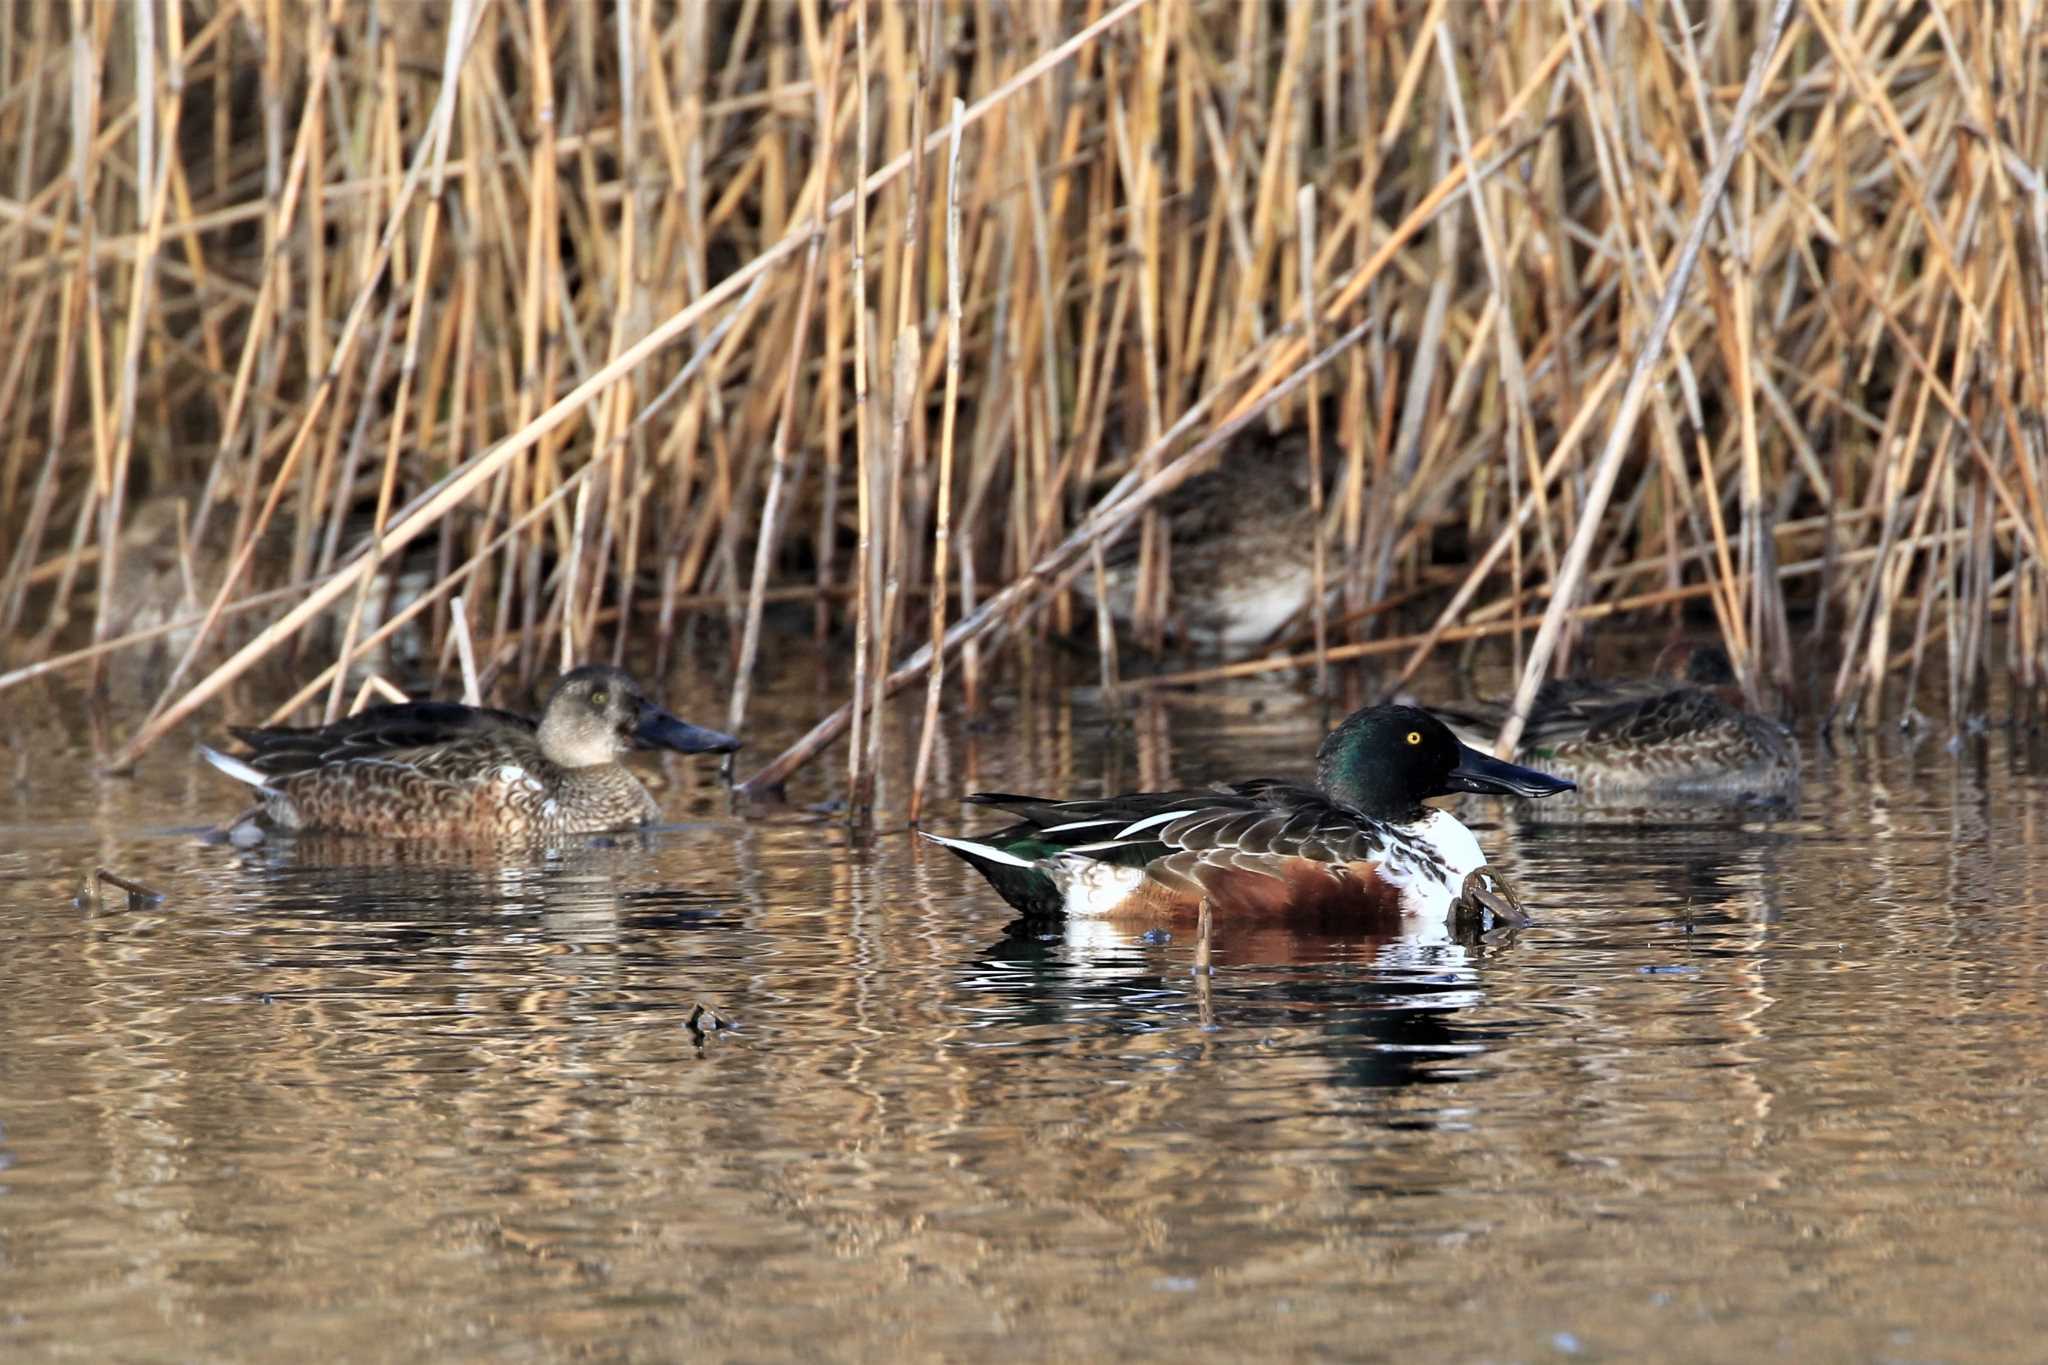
point(1682, 739)
point(1241, 558)
point(439, 770)
point(1674, 734)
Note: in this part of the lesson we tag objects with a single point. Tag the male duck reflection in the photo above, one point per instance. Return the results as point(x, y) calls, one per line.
point(1358, 842)
point(441, 770)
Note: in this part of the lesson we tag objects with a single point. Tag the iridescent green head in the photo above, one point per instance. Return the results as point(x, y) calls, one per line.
point(1384, 760)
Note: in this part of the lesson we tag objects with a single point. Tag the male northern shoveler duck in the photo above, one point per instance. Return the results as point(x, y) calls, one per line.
point(1241, 547)
point(1356, 842)
point(1680, 732)
point(442, 770)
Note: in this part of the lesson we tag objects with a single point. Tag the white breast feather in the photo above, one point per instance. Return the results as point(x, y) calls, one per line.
point(1430, 863)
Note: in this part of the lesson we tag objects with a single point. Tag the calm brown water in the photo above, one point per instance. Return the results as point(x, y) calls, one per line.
point(1763, 1084)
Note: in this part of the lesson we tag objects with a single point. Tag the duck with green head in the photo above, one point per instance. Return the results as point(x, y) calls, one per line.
point(1357, 841)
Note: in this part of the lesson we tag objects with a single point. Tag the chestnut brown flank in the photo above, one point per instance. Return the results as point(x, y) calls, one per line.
point(1282, 887)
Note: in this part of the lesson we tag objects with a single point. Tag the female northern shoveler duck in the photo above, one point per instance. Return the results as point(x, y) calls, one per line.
point(1241, 550)
point(442, 770)
point(1356, 842)
point(1677, 733)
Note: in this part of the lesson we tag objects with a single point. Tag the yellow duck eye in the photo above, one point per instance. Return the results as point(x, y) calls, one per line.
point(1415, 736)
point(600, 697)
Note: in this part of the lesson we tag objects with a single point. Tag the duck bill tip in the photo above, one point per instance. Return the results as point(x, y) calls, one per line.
point(1483, 773)
point(660, 730)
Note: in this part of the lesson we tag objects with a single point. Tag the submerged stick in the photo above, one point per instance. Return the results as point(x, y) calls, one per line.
point(138, 894)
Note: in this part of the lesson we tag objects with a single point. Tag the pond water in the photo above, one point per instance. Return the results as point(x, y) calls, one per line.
point(1754, 1083)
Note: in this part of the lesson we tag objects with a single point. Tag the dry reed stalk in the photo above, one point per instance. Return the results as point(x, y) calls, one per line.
point(942, 521)
point(1366, 649)
point(1645, 366)
point(607, 175)
point(1112, 516)
point(859, 779)
point(903, 387)
point(825, 65)
point(889, 556)
point(377, 685)
point(465, 648)
point(1319, 551)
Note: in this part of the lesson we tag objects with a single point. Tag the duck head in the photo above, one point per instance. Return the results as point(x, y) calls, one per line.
point(597, 713)
point(1384, 760)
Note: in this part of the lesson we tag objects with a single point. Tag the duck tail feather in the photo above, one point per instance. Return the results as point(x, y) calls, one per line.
point(236, 768)
point(969, 849)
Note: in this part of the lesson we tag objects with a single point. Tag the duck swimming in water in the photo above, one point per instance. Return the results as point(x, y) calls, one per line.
point(1358, 841)
point(440, 770)
point(1681, 732)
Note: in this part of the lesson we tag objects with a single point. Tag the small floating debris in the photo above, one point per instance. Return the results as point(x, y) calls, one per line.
point(140, 897)
point(704, 1019)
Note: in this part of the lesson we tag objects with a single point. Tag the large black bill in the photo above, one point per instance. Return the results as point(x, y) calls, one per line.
point(1477, 772)
point(660, 730)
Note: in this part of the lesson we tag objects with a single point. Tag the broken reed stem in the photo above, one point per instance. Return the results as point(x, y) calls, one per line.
point(377, 685)
point(465, 650)
point(139, 895)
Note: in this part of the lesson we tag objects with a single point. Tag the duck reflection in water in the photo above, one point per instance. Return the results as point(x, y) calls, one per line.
point(1382, 1011)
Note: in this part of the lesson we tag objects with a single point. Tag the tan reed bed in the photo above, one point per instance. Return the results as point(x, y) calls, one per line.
point(1612, 308)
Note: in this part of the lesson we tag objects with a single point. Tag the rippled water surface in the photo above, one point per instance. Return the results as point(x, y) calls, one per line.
point(1754, 1084)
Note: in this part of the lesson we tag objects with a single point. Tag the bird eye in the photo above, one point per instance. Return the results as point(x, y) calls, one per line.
point(600, 697)
point(1415, 736)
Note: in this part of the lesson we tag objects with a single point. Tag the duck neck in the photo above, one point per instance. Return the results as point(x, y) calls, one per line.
point(1372, 793)
point(568, 746)
point(606, 794)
